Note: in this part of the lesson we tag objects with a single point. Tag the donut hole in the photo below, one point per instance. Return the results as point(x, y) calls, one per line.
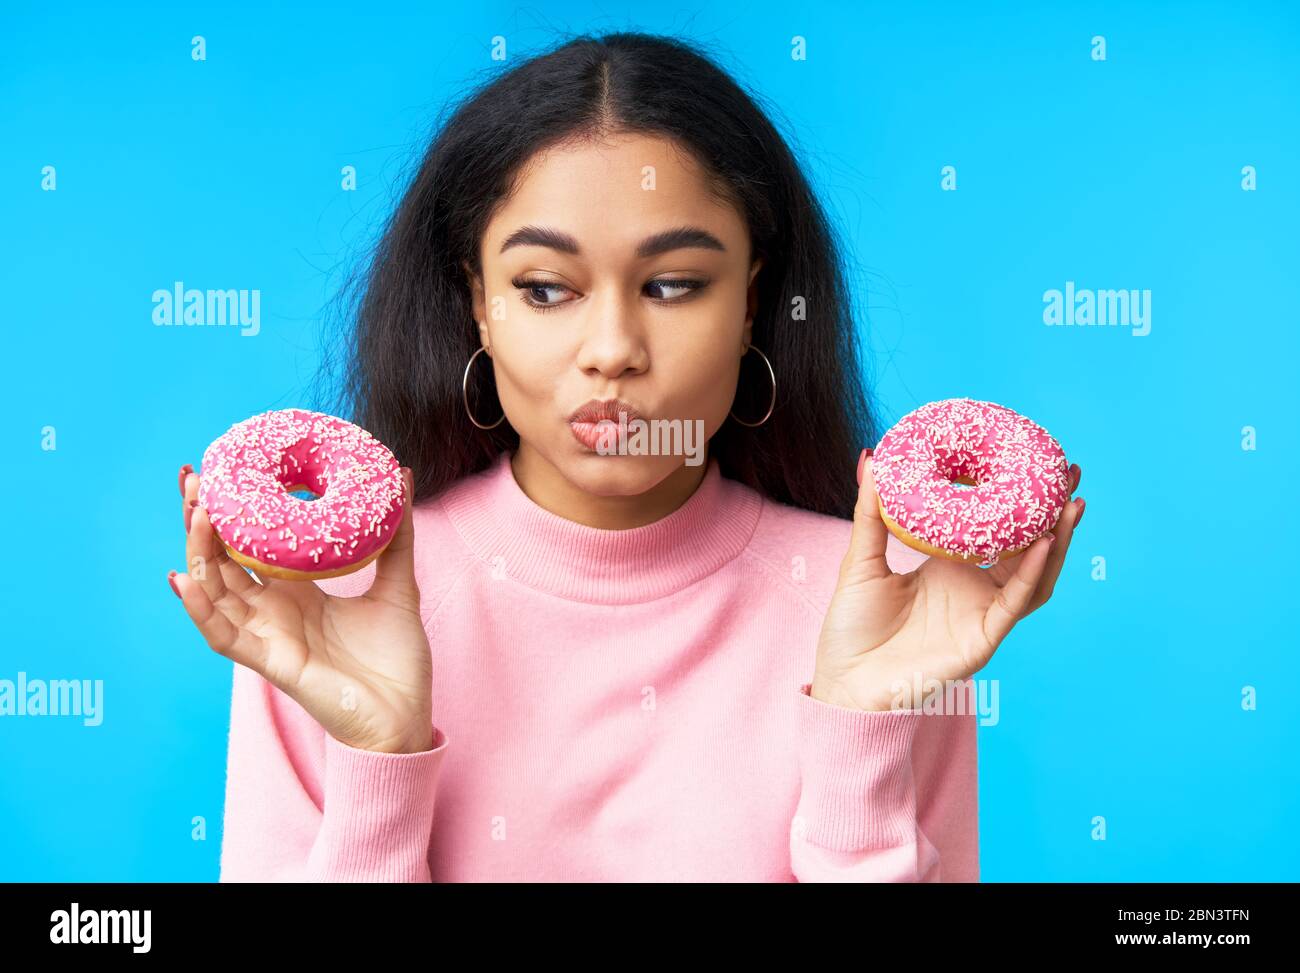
point(301, 491)
point(957, 471)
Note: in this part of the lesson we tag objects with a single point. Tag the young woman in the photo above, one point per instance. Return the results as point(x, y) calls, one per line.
point(572, 665)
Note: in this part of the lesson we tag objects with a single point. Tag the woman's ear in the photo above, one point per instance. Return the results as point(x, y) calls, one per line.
point(475, 291)
point(751, 298)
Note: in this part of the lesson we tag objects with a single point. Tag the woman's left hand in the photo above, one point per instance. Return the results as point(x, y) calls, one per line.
point(886, 633)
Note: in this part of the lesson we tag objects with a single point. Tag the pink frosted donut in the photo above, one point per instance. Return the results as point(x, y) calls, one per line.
point(245, 485)
point(1019, 480)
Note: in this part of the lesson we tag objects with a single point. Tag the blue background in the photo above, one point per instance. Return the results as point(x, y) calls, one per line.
point(1121, 699)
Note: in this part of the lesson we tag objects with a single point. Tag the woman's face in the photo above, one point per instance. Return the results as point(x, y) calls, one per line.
point(582, 298)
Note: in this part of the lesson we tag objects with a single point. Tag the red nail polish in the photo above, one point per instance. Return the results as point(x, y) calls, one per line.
point(171, 580)
point(1079, 518)
point(186, 470)
point(189, 514)
point(862, 460)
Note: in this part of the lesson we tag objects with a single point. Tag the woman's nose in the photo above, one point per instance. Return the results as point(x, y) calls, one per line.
point(613, 338)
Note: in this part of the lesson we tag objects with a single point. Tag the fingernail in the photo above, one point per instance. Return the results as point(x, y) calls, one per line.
point(171, 580)
point(1079, 518)
point(862, 459)
point(186, 470)
point(189, 514)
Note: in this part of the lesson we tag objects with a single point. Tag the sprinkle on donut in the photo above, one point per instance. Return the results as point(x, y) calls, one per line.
point(248, 472)
point(1019, 472)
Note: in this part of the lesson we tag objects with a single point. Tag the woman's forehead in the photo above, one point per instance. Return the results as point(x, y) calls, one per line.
point(611, 197)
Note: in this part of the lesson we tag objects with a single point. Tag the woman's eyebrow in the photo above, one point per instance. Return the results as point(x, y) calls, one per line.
point(675, 239)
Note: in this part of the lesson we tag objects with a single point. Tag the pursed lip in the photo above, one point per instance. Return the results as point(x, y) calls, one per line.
point(595, 410)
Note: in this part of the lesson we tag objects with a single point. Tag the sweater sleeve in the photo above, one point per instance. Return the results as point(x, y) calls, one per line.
point(304, 807)
point(887, 796)
point(301, 806)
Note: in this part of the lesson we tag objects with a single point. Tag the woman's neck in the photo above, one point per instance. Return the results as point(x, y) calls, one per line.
point(622, 502)
point(541, 549)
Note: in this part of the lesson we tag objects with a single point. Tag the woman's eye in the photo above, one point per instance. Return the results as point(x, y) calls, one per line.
point(534, 293)
point(677, 288)
point(537, 293)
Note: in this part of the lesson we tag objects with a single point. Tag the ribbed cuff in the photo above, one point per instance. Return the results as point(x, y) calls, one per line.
point(857, 790)
point(378, 816)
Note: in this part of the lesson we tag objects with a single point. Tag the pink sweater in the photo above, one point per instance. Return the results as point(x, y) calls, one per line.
point(611, 705)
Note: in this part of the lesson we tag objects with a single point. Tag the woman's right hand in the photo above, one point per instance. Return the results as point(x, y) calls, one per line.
point(360, 666)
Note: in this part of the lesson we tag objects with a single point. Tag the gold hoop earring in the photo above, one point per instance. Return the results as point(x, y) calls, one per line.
point(464, 391)
point(754, 425)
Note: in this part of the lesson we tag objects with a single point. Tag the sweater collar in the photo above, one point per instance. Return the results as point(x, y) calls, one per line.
point(590, 564)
